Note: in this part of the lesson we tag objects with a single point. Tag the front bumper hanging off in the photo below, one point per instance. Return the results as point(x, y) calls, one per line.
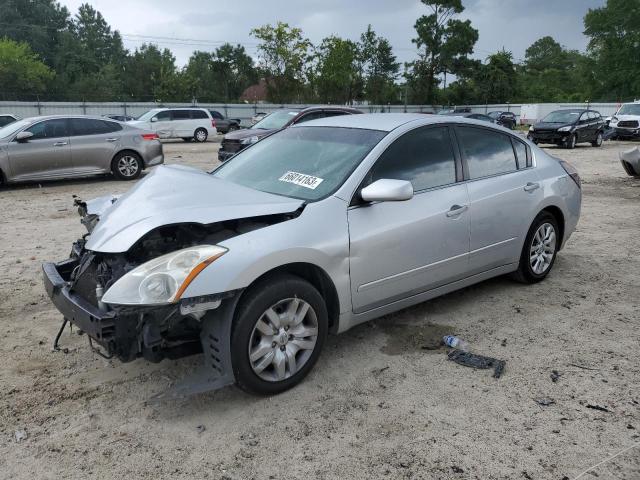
point(122, 333)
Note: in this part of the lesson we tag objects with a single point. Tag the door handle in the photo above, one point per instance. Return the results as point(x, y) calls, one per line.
point(112, 139)
point(531, 186)
point(60, 144)
point(457, 210)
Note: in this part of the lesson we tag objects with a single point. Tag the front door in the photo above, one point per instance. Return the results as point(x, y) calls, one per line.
point(44, 155)
point(162, 125)
point(399, 249)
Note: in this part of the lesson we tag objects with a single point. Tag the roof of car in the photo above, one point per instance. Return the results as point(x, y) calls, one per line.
point(388, 121)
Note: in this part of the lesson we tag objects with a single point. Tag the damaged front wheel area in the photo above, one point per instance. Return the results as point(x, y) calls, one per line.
point(280, 328)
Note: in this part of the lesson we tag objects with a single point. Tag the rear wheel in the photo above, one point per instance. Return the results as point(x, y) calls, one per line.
point(126, 166)
point(200, 135)
point(539, 250)
point(598, 141)
point(279, 330)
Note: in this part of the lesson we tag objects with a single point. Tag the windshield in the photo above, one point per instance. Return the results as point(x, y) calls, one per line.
point(629, 109)
point(308, 163)
point(494, 114)
point(145, 117)
point(12, 128)
point(562, 116)
point(275, 120)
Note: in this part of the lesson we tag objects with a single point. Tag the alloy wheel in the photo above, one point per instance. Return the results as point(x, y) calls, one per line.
point(128, 166)
point(543, 248)
point(283, 339)
point(201, 135)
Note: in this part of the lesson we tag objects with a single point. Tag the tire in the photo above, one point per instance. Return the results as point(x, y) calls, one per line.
point(187, 139)
point(200, 135)
point(127, 166)
point(529, 270)
point(598, 141)
point(273, 347)
point(570, 143)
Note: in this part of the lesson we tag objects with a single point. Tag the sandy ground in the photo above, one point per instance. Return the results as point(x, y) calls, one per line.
point(381, 402)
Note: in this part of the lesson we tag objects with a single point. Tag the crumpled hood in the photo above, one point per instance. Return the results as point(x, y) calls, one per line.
point(171, 195)
point(551, 125)
point(248, 132)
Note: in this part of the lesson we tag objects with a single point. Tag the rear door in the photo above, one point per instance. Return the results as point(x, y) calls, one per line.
point(93, 144)
point(503, 197)
point(399, 249)
point(44, 155)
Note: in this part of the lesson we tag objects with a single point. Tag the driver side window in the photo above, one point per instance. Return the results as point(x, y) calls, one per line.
point(423, 156)
point(55, 128)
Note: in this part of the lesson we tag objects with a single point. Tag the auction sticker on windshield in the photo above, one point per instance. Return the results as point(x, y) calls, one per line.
point(302, 180)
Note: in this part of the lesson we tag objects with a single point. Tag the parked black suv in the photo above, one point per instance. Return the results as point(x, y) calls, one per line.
point(233, 142)
point(566, 128)
point(506, 119)
point(223, 124)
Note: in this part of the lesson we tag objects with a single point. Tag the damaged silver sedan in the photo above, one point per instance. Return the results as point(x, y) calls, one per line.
point(312, 230)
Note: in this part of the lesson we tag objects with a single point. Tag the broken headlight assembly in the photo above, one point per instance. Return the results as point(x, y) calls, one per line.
point(162, 280)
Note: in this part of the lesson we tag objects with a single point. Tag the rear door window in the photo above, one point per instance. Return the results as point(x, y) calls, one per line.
point(423, 156)
point(181, 115)
point(486, 152)
point(198, 114)
point(91, 126)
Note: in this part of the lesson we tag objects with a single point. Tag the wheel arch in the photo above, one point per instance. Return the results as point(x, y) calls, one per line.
point(317, 277)
point(559, 216)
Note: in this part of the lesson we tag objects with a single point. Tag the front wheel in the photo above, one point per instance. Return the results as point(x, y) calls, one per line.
point(279, 330)
point(570, 143)
point(598, 141)
point(126, 166)
point(539, 250)
point(200, 135)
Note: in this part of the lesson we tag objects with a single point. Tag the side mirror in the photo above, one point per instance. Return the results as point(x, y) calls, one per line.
point(154, 119)
point(24, 136)
point(387, 190)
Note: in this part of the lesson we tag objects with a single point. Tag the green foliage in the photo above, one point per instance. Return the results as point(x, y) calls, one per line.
point(283, 54)
point(337, 75)
point(20, 69)
point(379, 68)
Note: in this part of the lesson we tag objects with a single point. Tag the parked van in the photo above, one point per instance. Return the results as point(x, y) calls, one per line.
point(185, 123)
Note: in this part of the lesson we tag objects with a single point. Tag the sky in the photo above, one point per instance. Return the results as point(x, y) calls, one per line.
point(188, 25)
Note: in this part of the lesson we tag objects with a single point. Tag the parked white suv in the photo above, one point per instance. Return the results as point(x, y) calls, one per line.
point(185, 123)
point(626, 121)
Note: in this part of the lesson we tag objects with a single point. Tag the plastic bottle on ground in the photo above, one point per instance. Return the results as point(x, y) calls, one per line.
point(455, 342)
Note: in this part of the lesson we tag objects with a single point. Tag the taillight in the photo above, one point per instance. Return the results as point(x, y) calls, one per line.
point(150, 136)
point(572, 172)
point(213, 123)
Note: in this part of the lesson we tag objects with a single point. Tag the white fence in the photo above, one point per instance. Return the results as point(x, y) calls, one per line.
point(246, 111)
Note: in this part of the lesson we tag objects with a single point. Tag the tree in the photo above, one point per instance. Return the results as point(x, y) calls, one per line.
point(21, 71)
point(379, 68)
point(151, 75)
point(337, 70)
point(614, 44)
point(499, 78)
point(445, 41)
point(283, 53)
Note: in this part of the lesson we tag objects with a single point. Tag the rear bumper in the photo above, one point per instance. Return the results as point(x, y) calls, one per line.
point(157, 160)
point(99, 325)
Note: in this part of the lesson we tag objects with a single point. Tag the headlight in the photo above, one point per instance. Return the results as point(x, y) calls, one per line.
point(249, 140)
point(531, 128)
point(565, 129)
point(164, 279)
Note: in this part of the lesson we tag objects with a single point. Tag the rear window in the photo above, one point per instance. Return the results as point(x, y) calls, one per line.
point(487, 153)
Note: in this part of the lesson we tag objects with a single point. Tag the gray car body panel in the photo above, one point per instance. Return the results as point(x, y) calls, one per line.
point(376, 264)
point(72, 156)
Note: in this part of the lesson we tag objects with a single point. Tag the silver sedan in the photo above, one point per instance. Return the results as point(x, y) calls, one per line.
point(312, 230)
point(54, 147)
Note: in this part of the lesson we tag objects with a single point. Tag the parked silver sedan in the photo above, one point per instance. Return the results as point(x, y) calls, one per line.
point(312, 230)
point(54, 147)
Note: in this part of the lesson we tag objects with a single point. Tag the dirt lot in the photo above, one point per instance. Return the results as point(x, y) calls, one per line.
point(381, 402)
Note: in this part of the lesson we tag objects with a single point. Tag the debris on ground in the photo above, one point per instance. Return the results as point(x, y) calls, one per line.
point(200, 428)
point(598, 407)
point(20, 435)
point(477, 361)
point(555, 375)
point(544, 401)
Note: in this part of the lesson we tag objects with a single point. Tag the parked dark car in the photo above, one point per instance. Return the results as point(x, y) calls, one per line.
point(234, 142)
point(224, 124)
point(506, 119)
point(567, 128)
point(120, 118)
